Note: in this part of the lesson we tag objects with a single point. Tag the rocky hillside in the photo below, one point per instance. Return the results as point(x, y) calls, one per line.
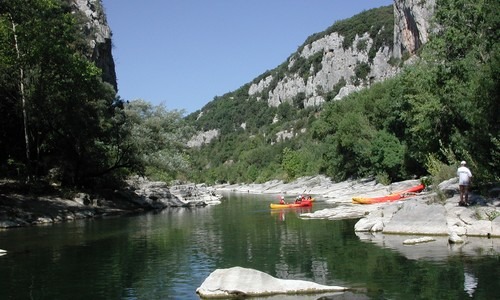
point(350, 55)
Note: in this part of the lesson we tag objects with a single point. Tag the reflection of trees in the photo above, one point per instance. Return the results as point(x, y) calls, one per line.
point(151, 256)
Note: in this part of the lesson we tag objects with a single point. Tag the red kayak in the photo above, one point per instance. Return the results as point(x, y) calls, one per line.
point(391, 197)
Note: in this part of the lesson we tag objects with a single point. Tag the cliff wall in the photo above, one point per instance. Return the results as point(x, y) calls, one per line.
point(99, 35)
point(412, 25)
point(340, 65)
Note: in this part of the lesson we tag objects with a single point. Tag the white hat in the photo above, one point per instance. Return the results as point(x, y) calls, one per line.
point(463, 162)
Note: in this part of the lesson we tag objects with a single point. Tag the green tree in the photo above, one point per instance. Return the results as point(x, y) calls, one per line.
point(158, 138)
point(292, 163)
point(69, 111)
point(387, 155)
point(456, 86)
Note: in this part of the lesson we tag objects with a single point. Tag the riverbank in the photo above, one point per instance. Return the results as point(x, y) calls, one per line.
point(420, 215)
point(423, 214)
point(26, 205)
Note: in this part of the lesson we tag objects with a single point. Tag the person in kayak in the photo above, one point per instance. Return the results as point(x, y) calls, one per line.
point(282, 200)
point(464, 180)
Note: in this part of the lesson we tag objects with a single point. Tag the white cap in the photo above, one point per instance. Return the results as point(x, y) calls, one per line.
point(463, 162)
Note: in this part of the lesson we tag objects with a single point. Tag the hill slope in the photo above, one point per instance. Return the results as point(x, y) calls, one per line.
point(418, 116)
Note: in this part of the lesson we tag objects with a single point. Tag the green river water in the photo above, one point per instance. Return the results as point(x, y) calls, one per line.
point(168, 254)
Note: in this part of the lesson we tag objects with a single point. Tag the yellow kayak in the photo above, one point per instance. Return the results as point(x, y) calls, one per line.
point(303, 203)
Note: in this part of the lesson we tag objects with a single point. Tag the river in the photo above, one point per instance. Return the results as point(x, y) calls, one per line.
point(168, 254)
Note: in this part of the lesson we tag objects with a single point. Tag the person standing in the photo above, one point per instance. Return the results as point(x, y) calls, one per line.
point(464, 180)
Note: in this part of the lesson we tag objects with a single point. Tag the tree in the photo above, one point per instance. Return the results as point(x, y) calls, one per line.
point(387, 155)
point(460, 84)
point(68, 109)
point(158, 138)
point(291, 163)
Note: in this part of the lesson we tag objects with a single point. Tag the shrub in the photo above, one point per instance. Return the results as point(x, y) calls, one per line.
point(362, 45)
point(362, 70)
point(439, 172)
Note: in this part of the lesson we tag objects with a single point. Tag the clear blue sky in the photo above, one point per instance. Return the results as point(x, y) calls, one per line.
point(183, 53)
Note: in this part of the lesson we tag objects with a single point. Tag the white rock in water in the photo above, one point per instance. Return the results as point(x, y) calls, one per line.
point(454, 238)
point(424, 239)
point(238, 281)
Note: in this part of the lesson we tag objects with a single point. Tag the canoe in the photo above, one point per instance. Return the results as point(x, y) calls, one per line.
point(391, 197)
point(304, 203)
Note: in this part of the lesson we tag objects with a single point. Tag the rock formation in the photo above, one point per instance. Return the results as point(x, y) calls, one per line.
point(98, 33)
point(203, 137)
point(242, 282)
point(412, 19)
point(412, 25)
point(337, 65)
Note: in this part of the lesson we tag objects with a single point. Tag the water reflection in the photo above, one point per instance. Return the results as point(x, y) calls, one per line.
point(280, 214)
point(438, 250)
point(167, 255)
point(470, 282)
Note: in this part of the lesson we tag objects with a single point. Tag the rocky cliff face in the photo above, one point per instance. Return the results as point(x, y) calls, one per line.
point(99, 35)
point(339, 64)
point(412, 25)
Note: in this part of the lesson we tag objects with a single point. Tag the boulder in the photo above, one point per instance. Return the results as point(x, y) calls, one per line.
point(449, 187)
point(454, 238)
point(376, 220)
point(243, 282)
point(416, 217)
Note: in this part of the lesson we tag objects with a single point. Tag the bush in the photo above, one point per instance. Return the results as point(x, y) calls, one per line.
point(362, 70)
point(439, 172)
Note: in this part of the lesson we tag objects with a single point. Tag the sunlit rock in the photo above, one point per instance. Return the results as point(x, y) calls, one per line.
point(417, 217)
point(424, 239)
point(243, 282)
point(454, 238)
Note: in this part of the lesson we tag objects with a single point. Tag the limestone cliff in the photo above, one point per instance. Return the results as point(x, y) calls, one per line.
point(350, 55)
point(340, 64)
point(412, 25)
point(98, 33)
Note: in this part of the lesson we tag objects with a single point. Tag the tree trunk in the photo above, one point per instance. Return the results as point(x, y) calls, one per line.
point(23, 97)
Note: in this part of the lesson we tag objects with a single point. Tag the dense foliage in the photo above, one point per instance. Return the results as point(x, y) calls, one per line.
point(443, 108)
point(157, 138)
point(60, 120)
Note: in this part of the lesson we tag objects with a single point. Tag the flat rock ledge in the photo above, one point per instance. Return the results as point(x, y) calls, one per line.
point(238, 282)
point(419, 215)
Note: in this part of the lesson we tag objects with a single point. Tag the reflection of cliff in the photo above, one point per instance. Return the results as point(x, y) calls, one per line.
point(438, 250)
